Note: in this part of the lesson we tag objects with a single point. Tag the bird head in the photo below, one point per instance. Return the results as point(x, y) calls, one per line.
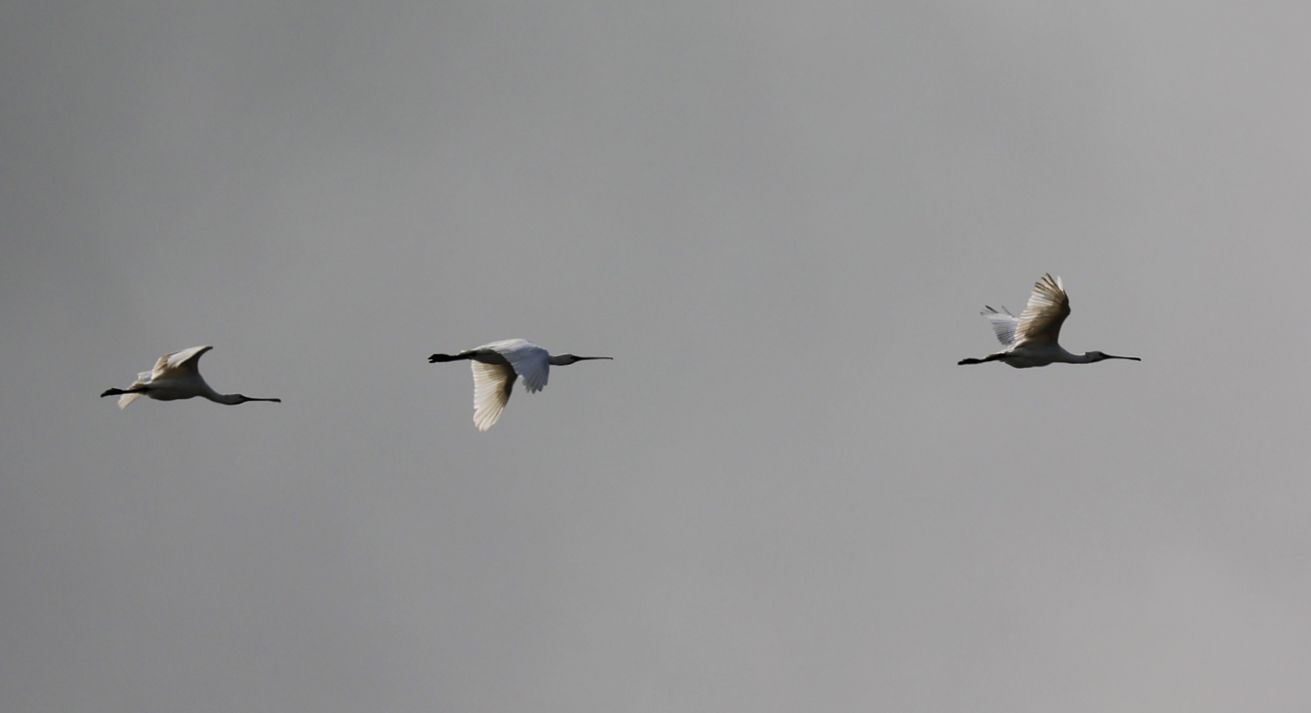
point(566, 359)
point(242, 398)
point(1099, 356)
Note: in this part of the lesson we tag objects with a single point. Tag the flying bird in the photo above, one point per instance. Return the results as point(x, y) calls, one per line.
point(176, 376)
point(1031, 339)
point(496, 365)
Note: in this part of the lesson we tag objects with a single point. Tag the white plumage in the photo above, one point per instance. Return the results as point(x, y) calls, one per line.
point(176, 375)
point(1032, 339)
point(496, 366)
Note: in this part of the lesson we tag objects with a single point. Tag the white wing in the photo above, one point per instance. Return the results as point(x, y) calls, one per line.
point(491, 391)
point(143, 378)
point(530, 361)
point(173, 365)
point(1041, 320)
point(1003, 324)
point(501, 346)
point(186, 361)
point(126, 400)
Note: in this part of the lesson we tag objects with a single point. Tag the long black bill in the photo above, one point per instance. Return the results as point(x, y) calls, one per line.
point(1112, 356)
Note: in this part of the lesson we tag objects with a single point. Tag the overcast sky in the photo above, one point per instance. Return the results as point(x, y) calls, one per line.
point(781, 219)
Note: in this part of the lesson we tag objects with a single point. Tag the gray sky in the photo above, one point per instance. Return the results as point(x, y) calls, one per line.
point(781, 220)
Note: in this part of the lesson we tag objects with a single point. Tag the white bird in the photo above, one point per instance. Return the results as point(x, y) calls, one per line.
point(1031, 338)
point(176, 376)
point(495, 367)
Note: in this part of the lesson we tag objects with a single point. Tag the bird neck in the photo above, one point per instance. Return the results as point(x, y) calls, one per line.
point(229, 399)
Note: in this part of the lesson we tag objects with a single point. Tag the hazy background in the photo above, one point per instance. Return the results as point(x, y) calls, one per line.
point(781, 219)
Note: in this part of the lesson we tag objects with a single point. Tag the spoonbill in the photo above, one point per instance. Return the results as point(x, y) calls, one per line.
point(176, 376)
point(1030, 339)
point(495, 367)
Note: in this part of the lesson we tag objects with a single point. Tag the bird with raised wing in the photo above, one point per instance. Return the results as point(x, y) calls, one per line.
point(496, 365)
point(1031, 339)
point(176, 376)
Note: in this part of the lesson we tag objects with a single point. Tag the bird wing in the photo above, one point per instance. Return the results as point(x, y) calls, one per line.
point(182, 362)
point(530, 361)
point(1048, 306)
point(1003, 324)
point(491, 391)
point(143, 378)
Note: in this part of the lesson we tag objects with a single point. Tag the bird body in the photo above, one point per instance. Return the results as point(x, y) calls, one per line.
point(497, 365)
point(176, 376)
point(1031, 339)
